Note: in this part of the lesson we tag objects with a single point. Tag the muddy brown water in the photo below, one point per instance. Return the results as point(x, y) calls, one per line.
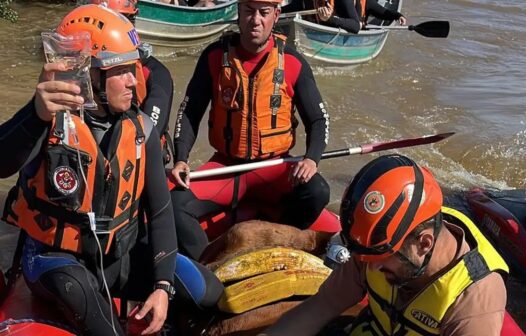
point(471, 83)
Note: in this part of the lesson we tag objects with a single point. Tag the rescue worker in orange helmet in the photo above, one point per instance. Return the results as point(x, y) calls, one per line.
point(427, 269)
point(253, 82)
point(80, 181)
point(127, 8)
point(154, 89)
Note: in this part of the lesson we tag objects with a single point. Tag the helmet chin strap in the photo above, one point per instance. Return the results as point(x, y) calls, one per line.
point(419, 270)
point(101, 92)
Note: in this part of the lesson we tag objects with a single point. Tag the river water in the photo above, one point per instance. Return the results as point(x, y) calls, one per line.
point(471, 83)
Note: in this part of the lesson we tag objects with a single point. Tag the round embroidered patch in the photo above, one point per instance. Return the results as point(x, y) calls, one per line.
point(65, 180)
point(374, 202)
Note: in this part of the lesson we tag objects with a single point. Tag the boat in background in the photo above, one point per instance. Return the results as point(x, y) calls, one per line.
point(174, 26)
point(501, 216)
point(335, 46)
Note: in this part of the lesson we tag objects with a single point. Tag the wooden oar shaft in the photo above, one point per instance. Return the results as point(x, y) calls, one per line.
point(363, 149)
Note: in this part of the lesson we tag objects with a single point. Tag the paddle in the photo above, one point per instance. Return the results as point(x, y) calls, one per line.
point(434, 29)
point(362, 149)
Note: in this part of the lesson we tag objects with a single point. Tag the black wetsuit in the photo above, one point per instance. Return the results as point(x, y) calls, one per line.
point(373, 8)
point(73, 283)
point(303, 203)
point(158, 101)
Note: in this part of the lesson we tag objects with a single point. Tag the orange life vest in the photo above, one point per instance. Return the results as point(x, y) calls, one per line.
point(363, 15)
point(140, 87)
point(252, 116)
point(55, 195)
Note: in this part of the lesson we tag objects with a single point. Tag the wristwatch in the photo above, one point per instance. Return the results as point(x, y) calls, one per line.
point(167, 288)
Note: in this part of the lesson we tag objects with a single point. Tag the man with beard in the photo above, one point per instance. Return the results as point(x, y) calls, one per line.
point(427, 269)
point(253, 82)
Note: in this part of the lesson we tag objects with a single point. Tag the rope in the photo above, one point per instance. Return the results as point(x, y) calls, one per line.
point(328, 43)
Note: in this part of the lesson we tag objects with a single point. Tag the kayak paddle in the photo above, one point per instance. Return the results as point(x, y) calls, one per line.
point(433, 29)
point(362, 149)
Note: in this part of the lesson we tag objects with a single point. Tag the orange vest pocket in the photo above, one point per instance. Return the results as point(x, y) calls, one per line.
point(276, 140)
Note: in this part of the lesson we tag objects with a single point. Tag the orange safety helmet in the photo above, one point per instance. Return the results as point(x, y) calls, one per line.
point(387, 200)
point(125, 7)
point(114, 39)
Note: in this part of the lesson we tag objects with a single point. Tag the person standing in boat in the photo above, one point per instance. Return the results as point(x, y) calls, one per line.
point(81, 176)
point(427, 269)
point(154, 89)
point(253, 81)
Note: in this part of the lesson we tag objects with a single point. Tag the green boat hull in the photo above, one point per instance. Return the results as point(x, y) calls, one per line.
point(332, 46)
point(181, 27)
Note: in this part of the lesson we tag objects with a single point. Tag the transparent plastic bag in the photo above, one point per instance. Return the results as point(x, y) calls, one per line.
point(74, 52)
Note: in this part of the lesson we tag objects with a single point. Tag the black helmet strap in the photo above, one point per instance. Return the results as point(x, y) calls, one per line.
point(414, 204)
point(101, 92)
point(419, 270)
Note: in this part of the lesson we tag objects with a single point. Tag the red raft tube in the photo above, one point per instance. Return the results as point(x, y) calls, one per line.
point(501, 216)
point(22, 314)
